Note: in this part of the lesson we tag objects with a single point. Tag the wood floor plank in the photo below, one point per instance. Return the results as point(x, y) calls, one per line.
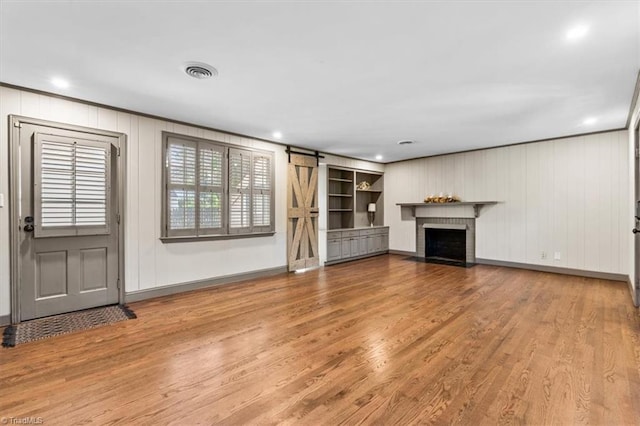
point(384, 340)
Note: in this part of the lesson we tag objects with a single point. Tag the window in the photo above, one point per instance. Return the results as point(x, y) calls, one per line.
point(216, 189)
point(71, 186)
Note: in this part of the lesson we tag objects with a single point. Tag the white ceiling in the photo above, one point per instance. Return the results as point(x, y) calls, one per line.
point(349, 78)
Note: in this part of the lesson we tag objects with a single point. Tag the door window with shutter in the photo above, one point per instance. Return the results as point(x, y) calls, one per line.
point(71, 183)
point(215, 189)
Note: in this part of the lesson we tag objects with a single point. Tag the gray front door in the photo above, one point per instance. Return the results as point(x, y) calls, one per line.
point(68, 220)
point(637, 212)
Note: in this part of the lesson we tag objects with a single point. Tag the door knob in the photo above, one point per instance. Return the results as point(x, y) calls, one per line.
point(28, 227)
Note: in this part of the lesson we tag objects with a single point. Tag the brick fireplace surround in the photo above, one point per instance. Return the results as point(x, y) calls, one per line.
point(470, 224)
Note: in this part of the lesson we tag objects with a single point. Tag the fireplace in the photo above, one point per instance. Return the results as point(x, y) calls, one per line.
point(446, 240)
point(446, 244)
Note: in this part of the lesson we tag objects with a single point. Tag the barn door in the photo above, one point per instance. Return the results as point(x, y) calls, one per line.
point(302, 212)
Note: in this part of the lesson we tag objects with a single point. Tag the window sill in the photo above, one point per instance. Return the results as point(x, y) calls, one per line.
point(215, 237)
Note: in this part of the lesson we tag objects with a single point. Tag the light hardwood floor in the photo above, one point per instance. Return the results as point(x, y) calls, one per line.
point(383, 340)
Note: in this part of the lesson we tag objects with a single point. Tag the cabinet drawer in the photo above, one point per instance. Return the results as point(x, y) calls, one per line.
point(350, 234)
point(334, 235)
point(368, 231)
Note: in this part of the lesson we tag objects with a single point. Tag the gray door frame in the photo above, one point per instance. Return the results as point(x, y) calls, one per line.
point(636, 199)
point(14, 189)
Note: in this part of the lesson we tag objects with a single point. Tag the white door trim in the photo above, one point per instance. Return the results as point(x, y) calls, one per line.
point(14, 189)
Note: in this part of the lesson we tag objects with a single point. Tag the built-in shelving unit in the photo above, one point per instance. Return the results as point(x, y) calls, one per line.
point(348, 206)
point(340, 198)
point(349, 232)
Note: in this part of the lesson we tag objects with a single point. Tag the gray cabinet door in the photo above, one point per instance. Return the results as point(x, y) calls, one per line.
point(362, 241)
point(334, 251)
point(371, 244)
point(346, 248)
point(385, 242)
point(377, 242)
point(355, 246)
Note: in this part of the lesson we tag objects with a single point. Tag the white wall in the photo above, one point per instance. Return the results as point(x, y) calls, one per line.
point(567, 195)
point(149, 262)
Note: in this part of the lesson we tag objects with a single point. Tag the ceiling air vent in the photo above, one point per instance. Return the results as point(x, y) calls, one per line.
point(200, 70)
point(405, 142)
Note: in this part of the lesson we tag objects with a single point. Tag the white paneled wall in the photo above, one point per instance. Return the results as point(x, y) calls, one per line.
point(149, 262)
point(567, 195)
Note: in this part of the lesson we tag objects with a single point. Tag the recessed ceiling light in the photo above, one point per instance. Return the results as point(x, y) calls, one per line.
point(277, 135)
point(590, 121)
point(60, 83)
point(405, 142)
point(378, 157)
point(577, 32)
point(199, 70)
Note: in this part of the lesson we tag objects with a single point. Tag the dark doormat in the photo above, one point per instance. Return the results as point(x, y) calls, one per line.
point(56, 325)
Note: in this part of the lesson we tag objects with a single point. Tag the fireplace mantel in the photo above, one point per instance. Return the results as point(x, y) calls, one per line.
point(477, 205)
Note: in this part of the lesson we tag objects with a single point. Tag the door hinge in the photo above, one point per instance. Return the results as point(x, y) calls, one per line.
point(118, 218)
point(637, 152)
point(118, 283)
point(17, 124)
point(118, 151)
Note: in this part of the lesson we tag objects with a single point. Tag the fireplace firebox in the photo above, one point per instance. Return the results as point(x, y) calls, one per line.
point(446, 244)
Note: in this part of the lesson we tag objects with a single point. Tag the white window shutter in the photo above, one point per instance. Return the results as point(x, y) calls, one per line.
point(181, 187)
point(211, 174)
point(56, 184)
point(91, 186)
point(262, 192)
point(239, 191)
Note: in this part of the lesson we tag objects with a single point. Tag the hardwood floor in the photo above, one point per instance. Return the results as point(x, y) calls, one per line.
point(383, 340)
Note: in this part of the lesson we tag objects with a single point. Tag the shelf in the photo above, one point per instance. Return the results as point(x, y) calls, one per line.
point(477, 205)
point(346, 206)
